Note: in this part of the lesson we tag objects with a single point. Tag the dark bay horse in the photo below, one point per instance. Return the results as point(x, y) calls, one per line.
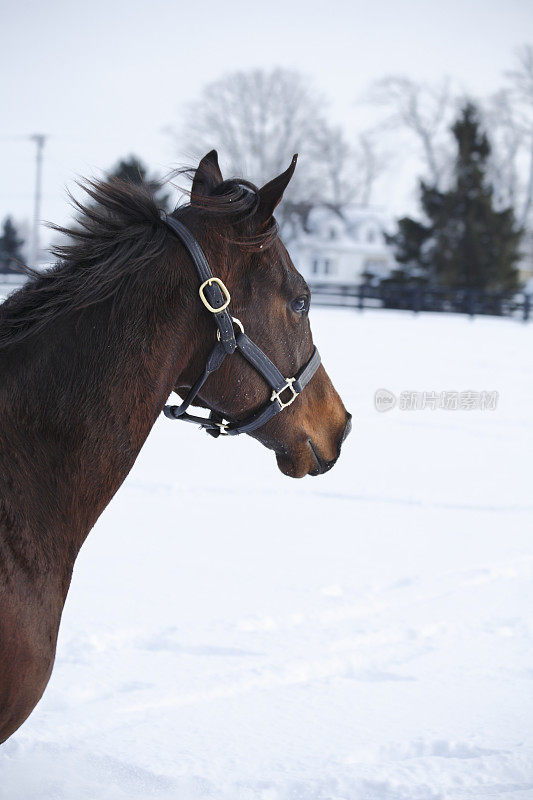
point(89, 353)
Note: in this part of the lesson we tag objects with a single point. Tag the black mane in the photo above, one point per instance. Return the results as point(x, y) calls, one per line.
point(117, 233)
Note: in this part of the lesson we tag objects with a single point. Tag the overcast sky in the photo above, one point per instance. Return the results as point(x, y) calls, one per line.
point(104, 79)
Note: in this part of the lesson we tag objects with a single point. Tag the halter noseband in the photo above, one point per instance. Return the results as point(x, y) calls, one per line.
point(216, 298)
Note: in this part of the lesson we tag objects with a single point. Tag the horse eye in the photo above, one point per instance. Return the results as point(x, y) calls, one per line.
point(300, 305)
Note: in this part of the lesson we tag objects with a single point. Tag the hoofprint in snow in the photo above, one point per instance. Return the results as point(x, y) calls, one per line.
point(365, 635)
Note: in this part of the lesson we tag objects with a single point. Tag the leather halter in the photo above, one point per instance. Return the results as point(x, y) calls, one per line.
point(216, 298)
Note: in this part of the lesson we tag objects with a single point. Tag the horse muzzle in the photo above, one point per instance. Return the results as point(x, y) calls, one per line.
point(310, 459)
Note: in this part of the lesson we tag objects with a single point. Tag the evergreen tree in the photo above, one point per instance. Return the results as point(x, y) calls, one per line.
point(10, 247)
point(409, 245)
point(466, 243)
point(131, 169)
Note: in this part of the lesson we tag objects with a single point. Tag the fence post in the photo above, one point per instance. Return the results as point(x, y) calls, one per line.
point(527, 307)
point(417, 298)
point(361, 296)
point(470, 301)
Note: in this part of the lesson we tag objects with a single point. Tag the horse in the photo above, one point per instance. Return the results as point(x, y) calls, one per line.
point(89, 353)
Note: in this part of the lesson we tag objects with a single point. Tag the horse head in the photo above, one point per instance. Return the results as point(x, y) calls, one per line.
point(234, 224)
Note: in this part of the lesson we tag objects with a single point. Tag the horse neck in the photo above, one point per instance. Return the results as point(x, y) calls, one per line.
point(80, 400)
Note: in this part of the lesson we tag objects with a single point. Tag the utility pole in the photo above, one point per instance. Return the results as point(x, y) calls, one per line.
point(39, 140)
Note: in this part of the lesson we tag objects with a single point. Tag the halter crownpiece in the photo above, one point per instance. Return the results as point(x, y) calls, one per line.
point(216, 298)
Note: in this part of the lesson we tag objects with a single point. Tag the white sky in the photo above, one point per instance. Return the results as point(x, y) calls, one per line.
point(103, 79)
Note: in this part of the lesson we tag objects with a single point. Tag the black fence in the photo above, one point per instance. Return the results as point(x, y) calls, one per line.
point(457, 301)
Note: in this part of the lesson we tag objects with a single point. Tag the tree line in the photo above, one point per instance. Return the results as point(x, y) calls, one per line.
point(476, 160)
point(465, 240)
point(476, 191)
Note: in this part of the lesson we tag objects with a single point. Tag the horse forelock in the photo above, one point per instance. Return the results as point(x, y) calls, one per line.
point(229, 210)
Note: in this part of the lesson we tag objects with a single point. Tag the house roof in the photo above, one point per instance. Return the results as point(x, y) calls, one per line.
point(341, 228)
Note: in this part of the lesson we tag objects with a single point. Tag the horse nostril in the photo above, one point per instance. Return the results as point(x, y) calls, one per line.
point(322, 465)
point(348, 427)
point(345, 433)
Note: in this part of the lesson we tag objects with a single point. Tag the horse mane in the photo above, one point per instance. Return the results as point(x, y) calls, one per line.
point(117, 232)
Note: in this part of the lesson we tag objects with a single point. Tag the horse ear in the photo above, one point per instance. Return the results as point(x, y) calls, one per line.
point(272, 192)
point(207, 176)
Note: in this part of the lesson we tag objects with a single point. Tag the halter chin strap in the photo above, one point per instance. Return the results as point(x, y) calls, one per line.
point(216, 298)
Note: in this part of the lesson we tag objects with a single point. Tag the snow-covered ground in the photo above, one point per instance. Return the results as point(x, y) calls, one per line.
point(376, 644)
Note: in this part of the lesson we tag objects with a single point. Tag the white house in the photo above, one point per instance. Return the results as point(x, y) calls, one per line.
point(330, 246)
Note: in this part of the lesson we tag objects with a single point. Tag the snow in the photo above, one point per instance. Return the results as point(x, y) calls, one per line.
point(364, 635)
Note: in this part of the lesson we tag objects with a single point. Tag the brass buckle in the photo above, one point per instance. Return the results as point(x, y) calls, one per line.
point(223, 428)
point(224, 291)
point(288, 385)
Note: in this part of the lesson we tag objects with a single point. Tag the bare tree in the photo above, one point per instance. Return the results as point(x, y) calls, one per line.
point(506, 138)
point(521, 88)
point(331, 156)
point(258, 119)
point(346, 172)
point(509, 122)
point(371, 161)
point(424, 111)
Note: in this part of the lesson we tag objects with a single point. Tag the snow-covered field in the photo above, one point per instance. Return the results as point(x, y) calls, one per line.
point(374, 645)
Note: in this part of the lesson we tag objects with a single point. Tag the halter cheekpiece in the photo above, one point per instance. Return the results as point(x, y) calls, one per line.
point(216, 298)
